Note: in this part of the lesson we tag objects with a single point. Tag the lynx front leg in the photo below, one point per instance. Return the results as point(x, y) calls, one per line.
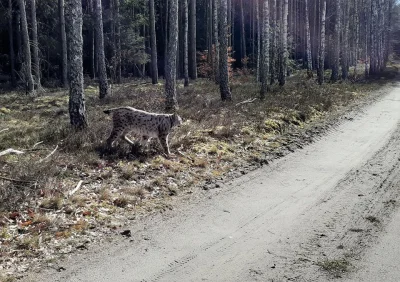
point(164, 143)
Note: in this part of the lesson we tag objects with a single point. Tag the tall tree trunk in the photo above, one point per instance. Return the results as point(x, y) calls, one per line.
point(11, 39)
point(336, 43)
point(216, 41)
point(367, 36)
point(243, 36)
point(166, 35)
point(77, 110)
point(274, 42)
point(265, 49)
point(223, 56)
point(35, 44)
point(172, 48)
point(64, 64)
point(185, 42)
point(229, 11)
point(192, 42)
point(321, 57)
point(233, 11)
point(284, 46)
point(258, 40)
point(118, 40)
point(308, 38)
point(153, 43)
point(357, 36)
point(345, 39)
point(27, 65)
point(103, 84)
point(113, 44)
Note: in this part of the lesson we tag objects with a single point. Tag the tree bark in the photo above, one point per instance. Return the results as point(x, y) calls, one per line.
point(274, 42)
point(265, 49)
point(27, 65)
point(192, 42)
point(185, 42)
point(172, 48)
point(223, 56)
point(336, 44)
point(11, 39)
point(308, 38)
point(118, 41)
point(103, 84)
point(113, 44)
point(77, 110)
point(345, 41)
point(216, 41)
point(35, 45)
point(284, 46)
point(258, 40)
point(321, 57)
point(243, 36)
point(64, 64)
point(153, 43)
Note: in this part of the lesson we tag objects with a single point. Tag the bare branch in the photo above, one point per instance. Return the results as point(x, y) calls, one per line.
point(49, 155)
point(246, 101)
point(11, 151)
point(76, 188)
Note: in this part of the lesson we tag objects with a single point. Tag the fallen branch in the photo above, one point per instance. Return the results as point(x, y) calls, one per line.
point(38, 143)
point(49, 155)
point(76, 188)
point(15, 180)
point(246, 101)
point(5, 129)
point(11, 151)
point(183, 155)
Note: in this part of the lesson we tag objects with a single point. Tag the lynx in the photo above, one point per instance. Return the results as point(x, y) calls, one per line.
point(143, 124)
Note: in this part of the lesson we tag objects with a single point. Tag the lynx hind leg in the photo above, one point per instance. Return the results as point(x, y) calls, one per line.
point(144, 140)
point(164, 143)
point(115, 133)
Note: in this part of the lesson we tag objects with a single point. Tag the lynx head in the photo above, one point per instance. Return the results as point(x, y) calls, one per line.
point(176, 120)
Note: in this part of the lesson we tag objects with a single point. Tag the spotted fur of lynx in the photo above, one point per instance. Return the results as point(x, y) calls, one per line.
point(143, 124)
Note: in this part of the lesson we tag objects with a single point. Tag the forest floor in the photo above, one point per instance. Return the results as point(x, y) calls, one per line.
point(43, 218)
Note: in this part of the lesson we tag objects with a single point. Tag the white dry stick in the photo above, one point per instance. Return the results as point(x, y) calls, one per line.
point(76, 188)
point(49, 155)
point(11, 151)
point(38, 143)
point(246, 101)
point(2, 130)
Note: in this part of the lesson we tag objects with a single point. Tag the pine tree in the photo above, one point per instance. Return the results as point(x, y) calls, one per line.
point(336, 43)
point(153, 43)
point(172, 48)
point(64, 64)
point(35, 45)
point(321, 56)
point(103, 84)
point(77, 110)
point(27, 66)
point(192, 40)
point(223, 56)
point(265, 49)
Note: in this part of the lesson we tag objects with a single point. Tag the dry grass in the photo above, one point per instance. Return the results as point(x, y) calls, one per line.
point(210, 134)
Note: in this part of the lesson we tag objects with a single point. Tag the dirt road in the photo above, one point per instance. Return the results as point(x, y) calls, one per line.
point(309, 216)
